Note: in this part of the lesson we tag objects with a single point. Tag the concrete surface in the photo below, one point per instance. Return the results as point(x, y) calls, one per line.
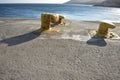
point(70, 54)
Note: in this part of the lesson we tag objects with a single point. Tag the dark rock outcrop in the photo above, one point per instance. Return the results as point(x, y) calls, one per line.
point(110, 3)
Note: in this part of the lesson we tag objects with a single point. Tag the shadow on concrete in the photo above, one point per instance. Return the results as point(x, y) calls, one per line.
point(21, 38)
point(97, 41)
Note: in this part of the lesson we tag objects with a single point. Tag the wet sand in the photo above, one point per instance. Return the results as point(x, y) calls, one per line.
point(70, 54)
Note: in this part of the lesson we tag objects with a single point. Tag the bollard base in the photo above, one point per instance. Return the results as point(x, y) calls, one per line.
point(47, 30)
point(110, 35)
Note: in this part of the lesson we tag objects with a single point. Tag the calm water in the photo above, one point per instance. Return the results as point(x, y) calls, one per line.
point(74, 12)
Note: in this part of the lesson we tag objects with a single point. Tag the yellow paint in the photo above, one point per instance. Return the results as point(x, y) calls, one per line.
point(47, 19)
point(51, 30)
point(54, 18)
point(40, 30)
point(103, 29)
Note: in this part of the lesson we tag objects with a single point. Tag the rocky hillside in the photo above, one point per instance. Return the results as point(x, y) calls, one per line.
point(85, 1)
point(115, 3)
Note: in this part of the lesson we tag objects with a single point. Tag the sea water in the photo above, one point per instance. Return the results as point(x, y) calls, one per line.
point(71, 11)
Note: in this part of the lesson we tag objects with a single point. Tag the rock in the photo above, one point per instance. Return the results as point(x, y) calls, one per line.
point(110, 3)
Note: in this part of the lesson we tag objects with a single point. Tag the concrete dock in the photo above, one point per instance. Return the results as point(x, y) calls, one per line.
point(71, 54)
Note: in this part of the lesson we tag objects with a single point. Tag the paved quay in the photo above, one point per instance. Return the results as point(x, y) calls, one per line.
point(71, 54)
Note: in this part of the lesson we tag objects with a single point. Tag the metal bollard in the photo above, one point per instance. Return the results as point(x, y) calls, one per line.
point(45, 21)
point(56, 18)
point(103, 29)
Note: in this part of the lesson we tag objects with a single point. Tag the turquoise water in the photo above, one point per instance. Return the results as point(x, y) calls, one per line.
point(73, 12)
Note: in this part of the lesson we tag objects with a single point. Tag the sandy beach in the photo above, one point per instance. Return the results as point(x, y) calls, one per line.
point(71, 54)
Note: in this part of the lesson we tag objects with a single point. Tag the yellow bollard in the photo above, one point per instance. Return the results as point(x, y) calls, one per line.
point(60, 19)
point(103, 29)
point(56, 18)
point(103, 32)
point(45, 21)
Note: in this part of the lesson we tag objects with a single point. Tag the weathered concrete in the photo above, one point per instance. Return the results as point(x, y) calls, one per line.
point(70, 54)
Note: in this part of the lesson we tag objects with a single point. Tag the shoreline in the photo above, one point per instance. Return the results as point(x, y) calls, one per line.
point(65, 19)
